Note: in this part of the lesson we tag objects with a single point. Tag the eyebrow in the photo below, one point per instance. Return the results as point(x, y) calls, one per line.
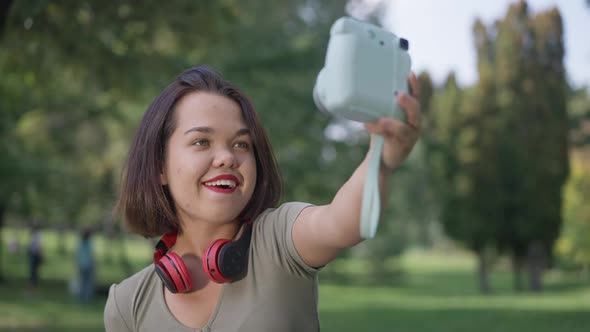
point(209, 130)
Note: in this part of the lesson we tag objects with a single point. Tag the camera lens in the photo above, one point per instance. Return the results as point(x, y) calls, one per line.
point(404, 44)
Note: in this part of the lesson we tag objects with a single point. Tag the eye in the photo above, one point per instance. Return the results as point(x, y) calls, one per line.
point(201, 142)
point(242, 145)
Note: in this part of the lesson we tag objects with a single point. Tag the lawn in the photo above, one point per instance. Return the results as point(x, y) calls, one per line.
point(436, 293)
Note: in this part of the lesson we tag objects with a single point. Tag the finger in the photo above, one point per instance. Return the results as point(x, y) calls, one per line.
point(411, 106)
point(390, 127)
point(401, 131)
point(382, 126)
point(414, 85)
point(374, 128)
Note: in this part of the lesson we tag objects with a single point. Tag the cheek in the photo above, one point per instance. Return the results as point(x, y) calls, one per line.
point(248, 170)
point(180, 172)
point(183, 163)
point(177, 178)
point(251, 164)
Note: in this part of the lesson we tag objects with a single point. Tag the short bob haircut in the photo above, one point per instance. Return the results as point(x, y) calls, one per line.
point(147, 205)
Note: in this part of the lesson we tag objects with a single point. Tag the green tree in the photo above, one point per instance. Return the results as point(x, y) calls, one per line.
point(499, 148)
point(532, 98)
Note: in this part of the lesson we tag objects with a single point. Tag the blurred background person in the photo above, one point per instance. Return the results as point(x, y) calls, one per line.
point(85, 262)
point(35, 254)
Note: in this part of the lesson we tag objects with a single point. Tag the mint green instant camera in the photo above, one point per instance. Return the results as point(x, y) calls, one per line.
point(364, 66)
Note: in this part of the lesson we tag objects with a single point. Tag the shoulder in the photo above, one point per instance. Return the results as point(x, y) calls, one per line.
point(286, 212)
point(278, 221)
point(272, 239)
point(127, 298)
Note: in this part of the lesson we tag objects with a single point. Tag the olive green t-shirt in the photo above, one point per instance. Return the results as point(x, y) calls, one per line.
point(278, 292)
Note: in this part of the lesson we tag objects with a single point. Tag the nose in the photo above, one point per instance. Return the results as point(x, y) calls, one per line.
point(224, 158)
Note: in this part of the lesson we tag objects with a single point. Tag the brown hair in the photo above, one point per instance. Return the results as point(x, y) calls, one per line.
point(147, 205)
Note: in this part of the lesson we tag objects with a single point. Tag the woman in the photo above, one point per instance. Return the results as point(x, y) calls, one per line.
point(201, 169)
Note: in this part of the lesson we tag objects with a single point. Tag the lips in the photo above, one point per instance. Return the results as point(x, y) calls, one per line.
point(224, 183)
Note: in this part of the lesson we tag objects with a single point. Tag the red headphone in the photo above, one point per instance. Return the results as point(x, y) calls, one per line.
point(223, 261)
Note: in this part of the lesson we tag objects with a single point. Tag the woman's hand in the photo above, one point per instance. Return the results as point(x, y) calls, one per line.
point(399, 137)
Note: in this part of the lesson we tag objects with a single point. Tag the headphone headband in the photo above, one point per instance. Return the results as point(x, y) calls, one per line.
point(164, 244)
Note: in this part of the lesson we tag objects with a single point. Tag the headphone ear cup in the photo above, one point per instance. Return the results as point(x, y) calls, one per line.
point(165, 277)
point(233, 260)
point(211, 262)
point(178, 274)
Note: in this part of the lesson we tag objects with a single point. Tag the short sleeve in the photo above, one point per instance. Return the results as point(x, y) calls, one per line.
point(114, 320)
point(275, 238)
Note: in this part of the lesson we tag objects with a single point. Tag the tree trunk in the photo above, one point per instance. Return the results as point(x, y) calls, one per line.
point(483, 272)
point(536, 266)
point(517, 267)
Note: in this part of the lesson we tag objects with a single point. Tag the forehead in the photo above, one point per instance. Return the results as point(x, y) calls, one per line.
point(208, 109)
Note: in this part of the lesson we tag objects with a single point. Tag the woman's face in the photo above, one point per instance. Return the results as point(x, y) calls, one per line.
point(210, 167)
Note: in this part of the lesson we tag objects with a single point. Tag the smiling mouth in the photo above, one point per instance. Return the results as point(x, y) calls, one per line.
point(221, 186)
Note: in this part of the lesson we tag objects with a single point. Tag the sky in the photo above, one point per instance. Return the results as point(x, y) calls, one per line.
point(441, 40)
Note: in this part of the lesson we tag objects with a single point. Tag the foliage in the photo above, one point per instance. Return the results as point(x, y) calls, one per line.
point(574, 242)
point(579, 116)
point(78, 77)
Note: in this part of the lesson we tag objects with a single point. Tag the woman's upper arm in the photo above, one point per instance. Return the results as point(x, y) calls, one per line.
point(319, 238)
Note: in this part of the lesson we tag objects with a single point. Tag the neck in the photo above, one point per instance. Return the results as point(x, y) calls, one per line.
point(197, 236)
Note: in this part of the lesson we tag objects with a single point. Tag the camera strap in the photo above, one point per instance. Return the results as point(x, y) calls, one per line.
point(371, 207)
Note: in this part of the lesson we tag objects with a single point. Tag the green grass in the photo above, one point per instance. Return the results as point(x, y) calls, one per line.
point(436, 292)
point(52, 308)
point(439, 293)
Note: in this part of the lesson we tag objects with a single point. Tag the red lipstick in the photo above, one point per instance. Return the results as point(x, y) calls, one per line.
point(224, 183)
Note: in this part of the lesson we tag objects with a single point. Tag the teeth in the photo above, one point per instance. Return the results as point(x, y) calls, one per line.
point(218, 183)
